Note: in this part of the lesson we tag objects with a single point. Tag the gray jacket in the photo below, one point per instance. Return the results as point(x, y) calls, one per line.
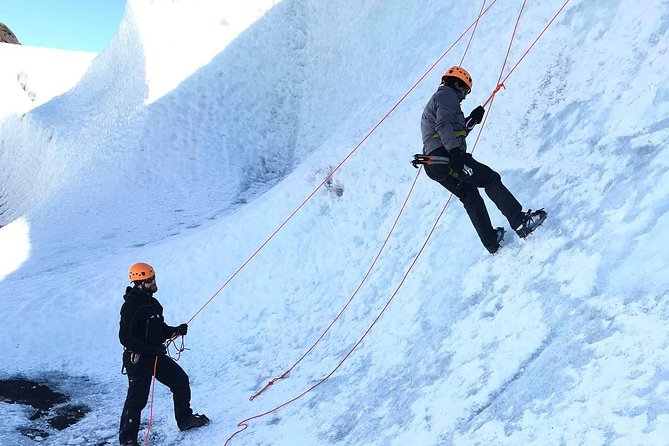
point(443, 123)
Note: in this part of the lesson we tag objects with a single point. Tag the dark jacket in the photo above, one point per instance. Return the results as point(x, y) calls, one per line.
point(142, 329)
point(443, 123)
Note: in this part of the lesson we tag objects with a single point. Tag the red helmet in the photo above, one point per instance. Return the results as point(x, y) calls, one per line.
point(459, 73)
point(141, 271)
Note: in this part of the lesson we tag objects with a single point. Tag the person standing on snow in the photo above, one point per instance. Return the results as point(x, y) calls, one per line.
point(444, 128)
point(143, 332)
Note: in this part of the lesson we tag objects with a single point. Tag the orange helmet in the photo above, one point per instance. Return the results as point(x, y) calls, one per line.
point(459, 73)
point(141, 271)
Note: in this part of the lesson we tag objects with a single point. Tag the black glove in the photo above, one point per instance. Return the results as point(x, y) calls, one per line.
point(456, 162)
point(475, 117)
point(182, 329)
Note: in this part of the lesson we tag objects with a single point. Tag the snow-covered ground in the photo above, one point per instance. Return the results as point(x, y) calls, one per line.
point(187, 151)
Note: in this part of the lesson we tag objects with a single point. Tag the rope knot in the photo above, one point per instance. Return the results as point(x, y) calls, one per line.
point(269, 384)
point(498, 87)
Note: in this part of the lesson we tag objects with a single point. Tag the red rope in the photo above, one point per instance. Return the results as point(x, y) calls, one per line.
point(501, 83)
point(243, 425)
point(153, 387)
point(340, 164)
point(364, 279)
point(325, 180)
point(179, 350)
point(473, 32)
point(287, 372)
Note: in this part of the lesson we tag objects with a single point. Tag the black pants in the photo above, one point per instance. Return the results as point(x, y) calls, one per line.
point(465, 187)
point(169, 373)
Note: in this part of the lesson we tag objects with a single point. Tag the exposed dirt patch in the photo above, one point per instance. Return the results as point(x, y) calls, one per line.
point(17, 390)
point(52, 408)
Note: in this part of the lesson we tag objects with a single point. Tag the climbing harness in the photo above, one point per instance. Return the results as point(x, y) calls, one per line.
point(422, 160)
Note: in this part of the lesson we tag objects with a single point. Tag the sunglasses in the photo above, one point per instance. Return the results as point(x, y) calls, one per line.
point(151, 280)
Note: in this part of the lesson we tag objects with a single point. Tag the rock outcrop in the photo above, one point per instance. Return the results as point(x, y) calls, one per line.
point(6, 35)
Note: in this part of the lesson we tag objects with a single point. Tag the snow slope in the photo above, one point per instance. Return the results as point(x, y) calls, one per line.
point(32, 76)
point(559, 339)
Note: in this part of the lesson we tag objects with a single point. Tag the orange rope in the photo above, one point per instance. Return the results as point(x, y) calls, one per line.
point(243, 425)
point(500, 84)
point(325, 180)
point(392, 229)
point(287, 372)
point(413, 87)
point(153, 387)
point(473, 32)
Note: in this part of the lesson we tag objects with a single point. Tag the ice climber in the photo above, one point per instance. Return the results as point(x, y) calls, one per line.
point(143, 332)
point(444, 129)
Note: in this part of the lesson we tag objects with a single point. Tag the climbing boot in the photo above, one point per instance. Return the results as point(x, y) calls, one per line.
point(194, 420)
point(499, 232)
point(531, 221)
